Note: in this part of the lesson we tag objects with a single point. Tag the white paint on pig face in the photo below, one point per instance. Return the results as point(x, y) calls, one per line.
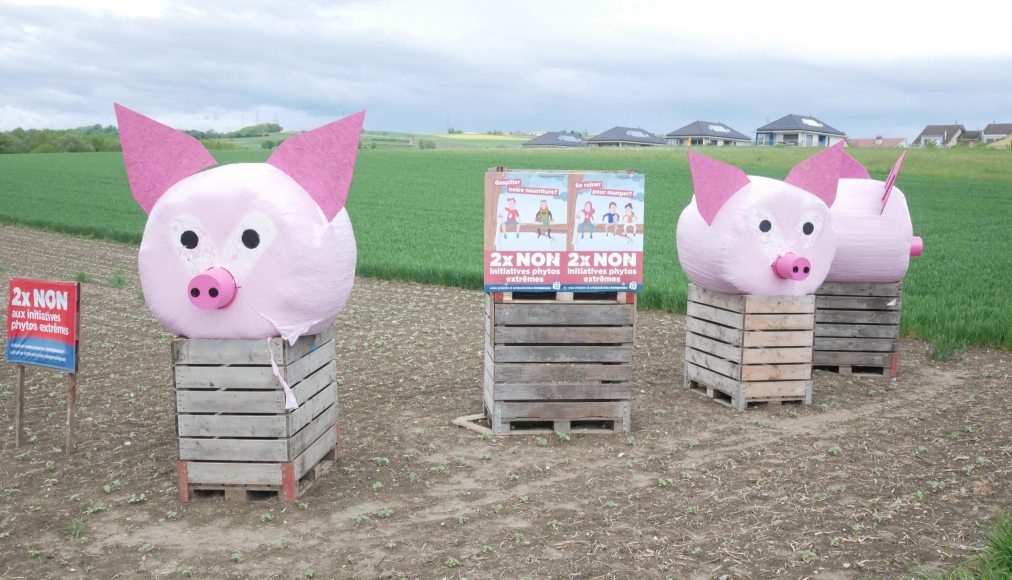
point(293, 270)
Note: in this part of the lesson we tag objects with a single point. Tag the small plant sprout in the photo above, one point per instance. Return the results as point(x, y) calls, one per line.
point(518, 537)
point(349, 470)
point(145, 548)
point(691, 510)
point(412, 476)
point(137, 498)
point(610, 504)
point(563, 437)
point(630, 441)
point(391, 545)
point(50, 464)
point(77, 528)
point(377, 485)
point(463, 462)
point(237, 557)
point(497, 508)
point(437, 469)
point(381, 461)
point(542, 441)
point(524, 499)
point(554, 525)
point(486, 549)
point(691, 442)
point(664, 482)
point(361, 519)
point(111, 487)
point(82, 278)
point(451, 562)
point(282, 543)
point(513, 450)
point(385, 513)
point(266, 517)
point(170, 515)
point(486, 436)
point(806, 555)
point(486, 456)
point(461, 520)
point(835, 541)
point(834, 450)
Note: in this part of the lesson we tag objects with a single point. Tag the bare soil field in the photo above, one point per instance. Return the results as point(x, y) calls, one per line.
point(878, 478)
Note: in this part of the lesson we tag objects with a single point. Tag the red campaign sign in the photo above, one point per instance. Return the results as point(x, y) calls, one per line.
point(42, 324)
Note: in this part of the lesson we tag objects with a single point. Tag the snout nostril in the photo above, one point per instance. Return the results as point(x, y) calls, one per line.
point(213, 292)
point(806, 271)
point(794, 269)
point(195, 292)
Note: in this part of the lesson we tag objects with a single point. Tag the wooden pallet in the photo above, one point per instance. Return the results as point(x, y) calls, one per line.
point(745, 349)
point(235, 435)
point(559, 361)
point(857, 328)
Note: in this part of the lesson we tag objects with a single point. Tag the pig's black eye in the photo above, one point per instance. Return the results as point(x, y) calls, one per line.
point(808, 228)
point(250, 239)
point(765, 226)
point(188, 239)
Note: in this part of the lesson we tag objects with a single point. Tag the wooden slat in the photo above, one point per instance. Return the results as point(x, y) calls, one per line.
point(857, 344)
point(715, 315)
point(315, 452)
point(199, 472)
point(235, 402)
point(557, 391)
point(776, 390)
point(220, 377)
point(564, 314)
point(858, 316)
point(541, 372)
point(732, 302)
point(301, 440)
point(547, 354)
point(309, 363)
point(857, 303)
point(234, 426)
point(785, 372)
point(754, 338)
point(711, 379)
point(570, 410)
point(233, 449)
point(310, 409)
point(708, 345)
point(857, 330)
point(563, 334)
point(860, 289)
point(865, 359)
point(779, 321)
point(725, 367)
point(771, 355)
point(187, 351)
point(779, 304)
point(732, 336)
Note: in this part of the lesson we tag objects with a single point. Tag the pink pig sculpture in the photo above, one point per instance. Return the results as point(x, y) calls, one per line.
point(874, 235)
point(744, 234)
point(249, 250)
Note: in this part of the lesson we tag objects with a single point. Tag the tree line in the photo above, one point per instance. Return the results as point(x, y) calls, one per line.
point(98, 138)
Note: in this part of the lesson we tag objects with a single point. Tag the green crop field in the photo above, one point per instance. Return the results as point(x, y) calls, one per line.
point(418, 216)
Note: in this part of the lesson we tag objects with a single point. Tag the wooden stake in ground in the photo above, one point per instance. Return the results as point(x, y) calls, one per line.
point(19, 406)
point(71, 403)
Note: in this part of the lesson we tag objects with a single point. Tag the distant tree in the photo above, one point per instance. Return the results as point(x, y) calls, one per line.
point(268, 144)
point(72, 143)
point(426, 144)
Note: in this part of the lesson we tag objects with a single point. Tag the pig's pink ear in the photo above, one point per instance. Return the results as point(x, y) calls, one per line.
point(819, 173)
point(852, 168)
point(714, 182)
point(322, 161)
point(891, 180)
point(156, 156)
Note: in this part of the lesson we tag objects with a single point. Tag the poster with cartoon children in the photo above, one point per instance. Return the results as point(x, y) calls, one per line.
point(563, 231)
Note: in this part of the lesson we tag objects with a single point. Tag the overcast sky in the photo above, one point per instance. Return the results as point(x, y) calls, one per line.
point(866, 68)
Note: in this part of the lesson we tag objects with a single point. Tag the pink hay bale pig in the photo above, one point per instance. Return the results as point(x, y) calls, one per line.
point(874, 235)
point(249, 250)
point(744, 234)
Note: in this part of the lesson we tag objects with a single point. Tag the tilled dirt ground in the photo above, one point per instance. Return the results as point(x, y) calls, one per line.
point(878, 478)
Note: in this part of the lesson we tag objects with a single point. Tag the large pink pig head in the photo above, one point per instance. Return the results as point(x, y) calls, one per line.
point(249, 250)
point(744, 234)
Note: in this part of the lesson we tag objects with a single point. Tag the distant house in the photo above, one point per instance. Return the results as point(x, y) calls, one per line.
point(556, 139)
point(1005, 143)
point(625, 137)
point(879, 141)
point(969, 138)
point(706, 133)
point(798, 131)
point(996, 132)
point(939, 135)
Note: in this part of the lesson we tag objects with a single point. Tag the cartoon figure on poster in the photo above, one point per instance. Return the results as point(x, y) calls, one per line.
point(248, 250)
point(531, 212)
point(874, 235)
point(618, 226)
point(744, 234)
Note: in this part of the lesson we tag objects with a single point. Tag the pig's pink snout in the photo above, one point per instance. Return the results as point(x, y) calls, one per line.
point(214, 288)
point(791, 266)
point(917, 246)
